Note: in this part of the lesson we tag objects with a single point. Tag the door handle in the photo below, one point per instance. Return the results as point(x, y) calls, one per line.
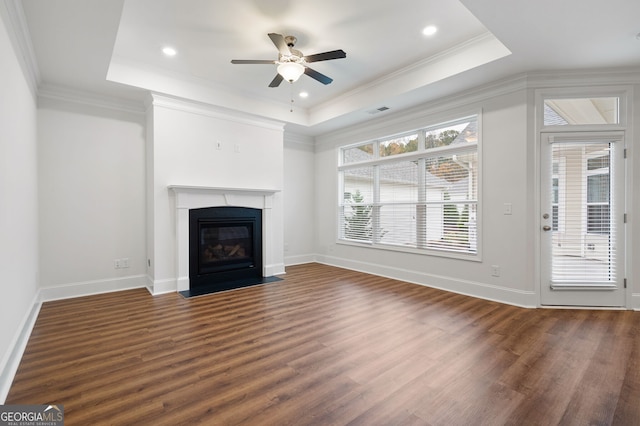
point(546, 228)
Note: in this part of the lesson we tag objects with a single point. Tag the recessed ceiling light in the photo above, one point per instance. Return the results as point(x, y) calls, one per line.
point(430, 30)
point(304, 95)
point(169, 51)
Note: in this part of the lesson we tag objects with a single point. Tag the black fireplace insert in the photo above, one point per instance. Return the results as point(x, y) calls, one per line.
point(225, 246)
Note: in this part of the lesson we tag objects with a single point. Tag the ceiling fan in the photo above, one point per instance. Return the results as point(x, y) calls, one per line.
point(292, 63)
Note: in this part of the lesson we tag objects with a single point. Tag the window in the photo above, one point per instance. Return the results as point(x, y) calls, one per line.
point(399, 145)
point(413, 191)
point(579, 111)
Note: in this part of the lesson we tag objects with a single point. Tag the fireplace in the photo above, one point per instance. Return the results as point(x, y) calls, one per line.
point(189, 197)
point(225, 246)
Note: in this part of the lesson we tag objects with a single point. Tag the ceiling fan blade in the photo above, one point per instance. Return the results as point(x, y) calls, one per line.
point(252, 61)
point(276, 81)
point(278, 40)
point(325, 56)
point(317, 76)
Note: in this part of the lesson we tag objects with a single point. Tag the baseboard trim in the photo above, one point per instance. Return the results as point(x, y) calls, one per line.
point(299, 260)
point(157, 287)
point(88, 288)
point(11, 362)
point(635, 301)
point(523, 299)
point(274, 269)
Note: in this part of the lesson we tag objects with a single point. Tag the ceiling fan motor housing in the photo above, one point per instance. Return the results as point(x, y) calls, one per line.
point(296, 56)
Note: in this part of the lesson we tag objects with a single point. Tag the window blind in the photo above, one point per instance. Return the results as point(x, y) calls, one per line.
point(583, 243)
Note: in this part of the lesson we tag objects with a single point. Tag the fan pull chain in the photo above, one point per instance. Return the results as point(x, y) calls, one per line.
point(291, 110)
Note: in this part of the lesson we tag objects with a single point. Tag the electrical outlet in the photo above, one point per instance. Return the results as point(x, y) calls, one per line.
point(508, 209)
point(495, 270)
point(121, 263)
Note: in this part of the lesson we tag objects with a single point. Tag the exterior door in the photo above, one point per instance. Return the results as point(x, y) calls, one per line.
point(582, 219)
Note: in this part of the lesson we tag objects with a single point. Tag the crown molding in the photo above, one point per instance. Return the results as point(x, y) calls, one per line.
point(532, 80)
point(470, 54)
point(209, 110)
point(443, 109)
point(67, 94)
point(299, 140)
point(14, 18)
point(582, 77)
point(197, 90)
point(12, 14)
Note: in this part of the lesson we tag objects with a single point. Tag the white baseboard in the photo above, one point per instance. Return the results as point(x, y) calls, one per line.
point(524, 299)
point(11, 361)
point(157, 287)
point(88, 288)
point(299, 260)
point(635, 301)
point(271, 270)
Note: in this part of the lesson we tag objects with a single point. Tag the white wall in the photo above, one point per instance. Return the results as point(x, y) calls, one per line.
point(200, 146)
point(18, 209)
point(506, 178)
point(299, 199)
point(92, 198)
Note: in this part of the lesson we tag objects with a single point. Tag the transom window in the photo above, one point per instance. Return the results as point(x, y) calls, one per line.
point(581, 111)
point(414, 191)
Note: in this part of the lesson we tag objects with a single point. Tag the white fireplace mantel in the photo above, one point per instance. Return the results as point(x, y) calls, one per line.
point(196, 188)
point(189, 197)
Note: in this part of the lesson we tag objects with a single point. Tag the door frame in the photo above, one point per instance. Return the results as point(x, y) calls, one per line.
point(583, 295)
point(625, 93)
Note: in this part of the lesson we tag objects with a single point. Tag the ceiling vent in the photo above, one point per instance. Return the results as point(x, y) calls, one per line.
point(377, 110)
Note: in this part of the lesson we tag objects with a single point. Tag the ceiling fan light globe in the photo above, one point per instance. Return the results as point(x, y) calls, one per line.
point(290, 71)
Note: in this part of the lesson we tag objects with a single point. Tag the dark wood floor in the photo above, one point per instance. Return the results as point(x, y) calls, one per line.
point(330, 346)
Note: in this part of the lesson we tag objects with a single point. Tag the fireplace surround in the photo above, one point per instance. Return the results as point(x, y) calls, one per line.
point(187, 198)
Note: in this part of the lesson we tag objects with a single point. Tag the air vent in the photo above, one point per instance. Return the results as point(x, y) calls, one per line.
point(377, 110)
